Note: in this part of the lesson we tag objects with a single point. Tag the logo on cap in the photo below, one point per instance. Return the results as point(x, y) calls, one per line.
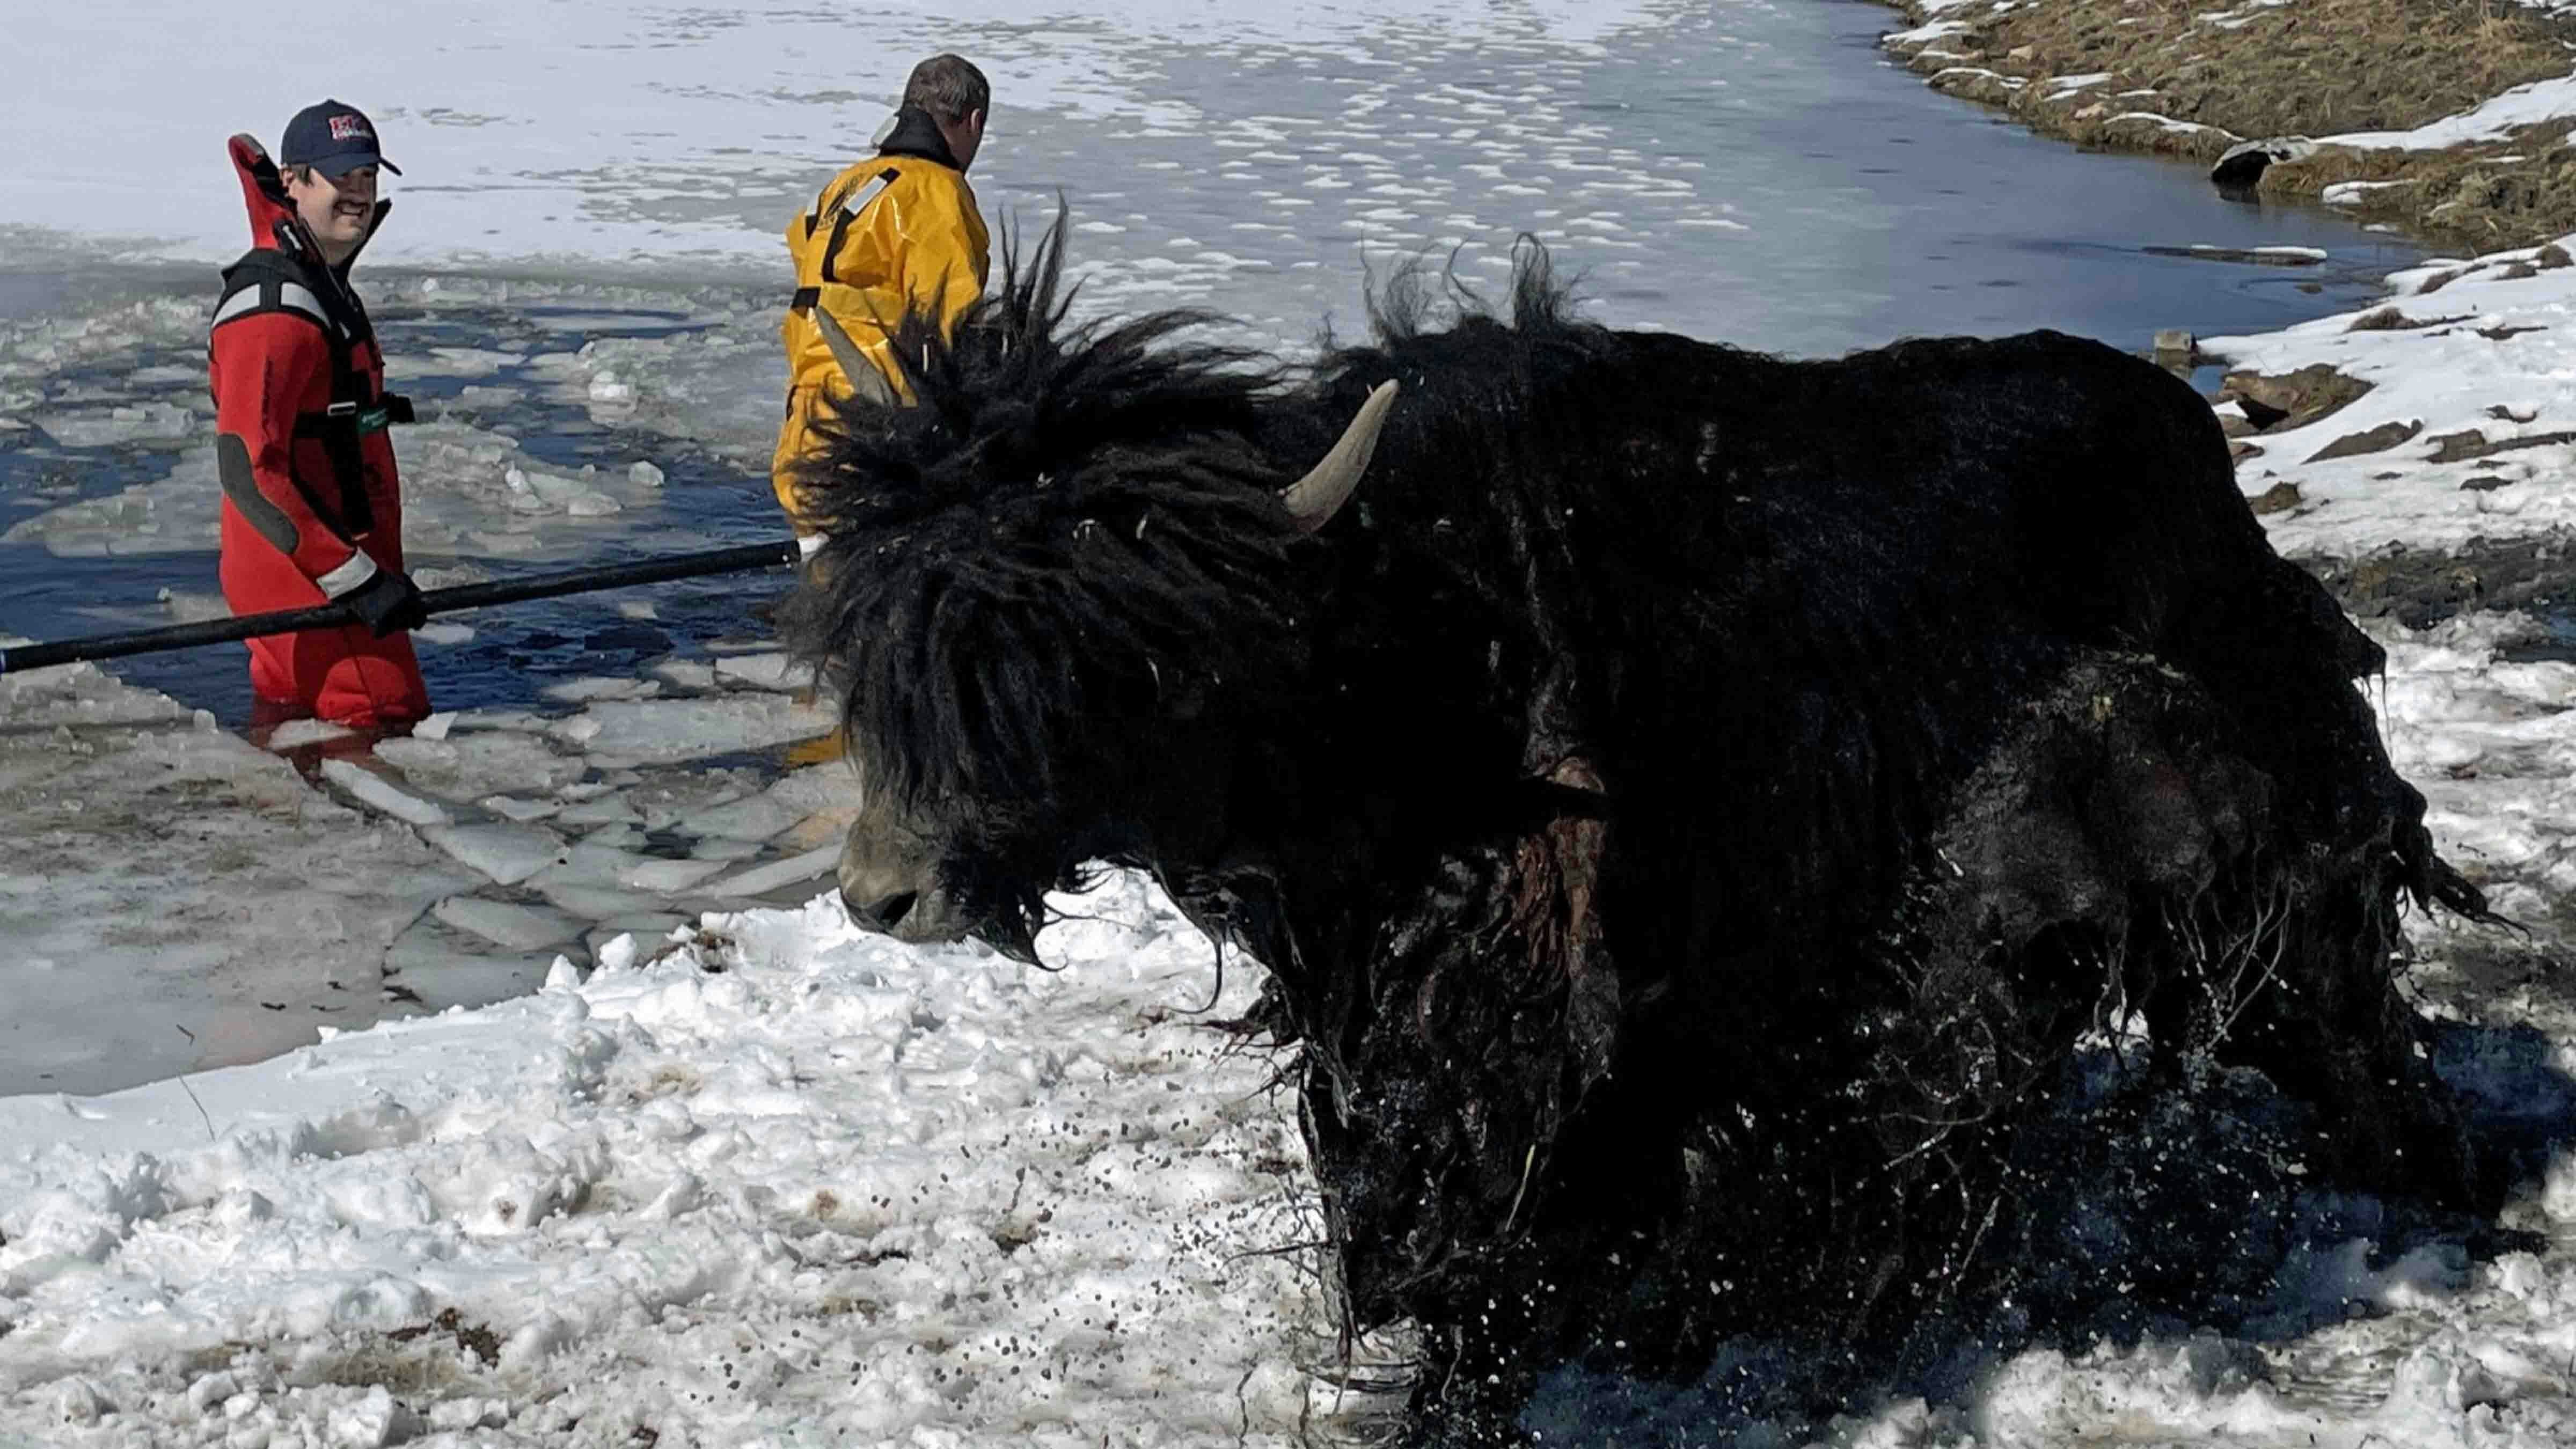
point(350, 128)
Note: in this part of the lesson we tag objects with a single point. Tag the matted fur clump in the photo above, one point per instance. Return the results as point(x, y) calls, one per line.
point(1703, 815)
point(972, 663)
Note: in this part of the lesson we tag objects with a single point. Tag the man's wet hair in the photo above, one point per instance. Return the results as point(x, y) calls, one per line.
point(949, 87)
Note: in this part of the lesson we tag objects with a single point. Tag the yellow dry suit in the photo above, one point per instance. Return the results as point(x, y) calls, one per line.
point(888, 234)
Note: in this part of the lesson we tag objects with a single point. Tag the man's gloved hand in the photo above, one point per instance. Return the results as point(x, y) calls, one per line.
point(388, 601)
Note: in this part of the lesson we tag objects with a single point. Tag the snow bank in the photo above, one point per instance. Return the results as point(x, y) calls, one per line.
point(2493, 119)
point(2478, 359)
point(774, 1182)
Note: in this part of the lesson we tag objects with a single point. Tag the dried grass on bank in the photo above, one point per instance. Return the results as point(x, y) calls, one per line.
point(2186, 79)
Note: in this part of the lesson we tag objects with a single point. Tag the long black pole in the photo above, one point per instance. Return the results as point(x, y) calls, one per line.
point(436, 601)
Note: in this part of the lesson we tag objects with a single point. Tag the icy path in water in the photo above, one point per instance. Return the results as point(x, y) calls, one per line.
point(177, 899)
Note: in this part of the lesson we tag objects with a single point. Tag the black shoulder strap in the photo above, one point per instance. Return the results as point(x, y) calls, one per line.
point(265, 281)
point(848, 211)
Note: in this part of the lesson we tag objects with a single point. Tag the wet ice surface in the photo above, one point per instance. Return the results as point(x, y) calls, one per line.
point(227, 908)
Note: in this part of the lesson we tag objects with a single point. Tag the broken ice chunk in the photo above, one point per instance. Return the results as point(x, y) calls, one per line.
point(664, 730)
point(142, 423)
point(381, 794)
point(521, 928)
point(669, 875)
point(297, 733)
point(760, 880)
point(599, 904)
point(601, 808)
point(470, 765)
point(765, 671)
point(590, 687)
point(508, 854)
point(510, 807)
point(756, 818)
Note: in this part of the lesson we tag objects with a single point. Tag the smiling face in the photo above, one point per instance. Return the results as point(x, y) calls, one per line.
point(338, 212)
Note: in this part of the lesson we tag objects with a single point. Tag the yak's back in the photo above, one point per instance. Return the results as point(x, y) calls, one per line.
point(1784, 608)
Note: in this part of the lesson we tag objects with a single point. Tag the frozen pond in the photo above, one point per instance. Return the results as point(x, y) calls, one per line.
point(1751, 173)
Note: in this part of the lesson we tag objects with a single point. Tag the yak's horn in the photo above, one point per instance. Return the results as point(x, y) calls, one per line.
point(864, 378)
point(1315, 498)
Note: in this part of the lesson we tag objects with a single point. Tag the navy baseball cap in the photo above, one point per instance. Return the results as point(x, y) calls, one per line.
point(332, 138)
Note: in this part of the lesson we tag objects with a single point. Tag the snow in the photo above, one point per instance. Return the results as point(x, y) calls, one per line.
point(770, 1181)
point(2494, 119)
point(2356, 193)
point(2489, 350)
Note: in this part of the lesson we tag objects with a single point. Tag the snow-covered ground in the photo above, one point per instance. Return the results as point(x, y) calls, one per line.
point(730, 1173)
point(772, 1182)
point(2473, 362)
point(2495, 119)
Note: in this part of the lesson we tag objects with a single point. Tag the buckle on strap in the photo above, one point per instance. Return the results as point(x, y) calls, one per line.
point(805, 300)
point(346, 418)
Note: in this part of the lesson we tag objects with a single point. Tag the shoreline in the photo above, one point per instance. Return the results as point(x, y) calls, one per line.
point(2440, 118)
point(2405, 451)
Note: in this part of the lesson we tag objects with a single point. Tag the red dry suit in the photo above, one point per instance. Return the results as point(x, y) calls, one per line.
point(312, 507)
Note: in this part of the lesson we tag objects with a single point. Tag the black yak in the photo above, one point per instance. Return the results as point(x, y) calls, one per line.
point(1694, 808)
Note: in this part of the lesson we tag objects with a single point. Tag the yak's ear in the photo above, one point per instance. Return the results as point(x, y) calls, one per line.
point(1314, 499)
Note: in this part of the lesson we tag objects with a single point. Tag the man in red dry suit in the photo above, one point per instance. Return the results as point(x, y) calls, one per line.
point(312, 508)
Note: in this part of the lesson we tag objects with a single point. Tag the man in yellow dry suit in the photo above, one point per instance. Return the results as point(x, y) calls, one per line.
point(891, 233)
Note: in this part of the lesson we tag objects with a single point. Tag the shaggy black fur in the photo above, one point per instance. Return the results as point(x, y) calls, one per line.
point(1693, 806)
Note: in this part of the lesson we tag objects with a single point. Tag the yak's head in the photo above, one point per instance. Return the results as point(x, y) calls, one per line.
point(1059, 599)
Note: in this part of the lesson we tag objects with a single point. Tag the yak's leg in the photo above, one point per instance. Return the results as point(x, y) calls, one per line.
point(2301, 985)
point(2286, 962)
